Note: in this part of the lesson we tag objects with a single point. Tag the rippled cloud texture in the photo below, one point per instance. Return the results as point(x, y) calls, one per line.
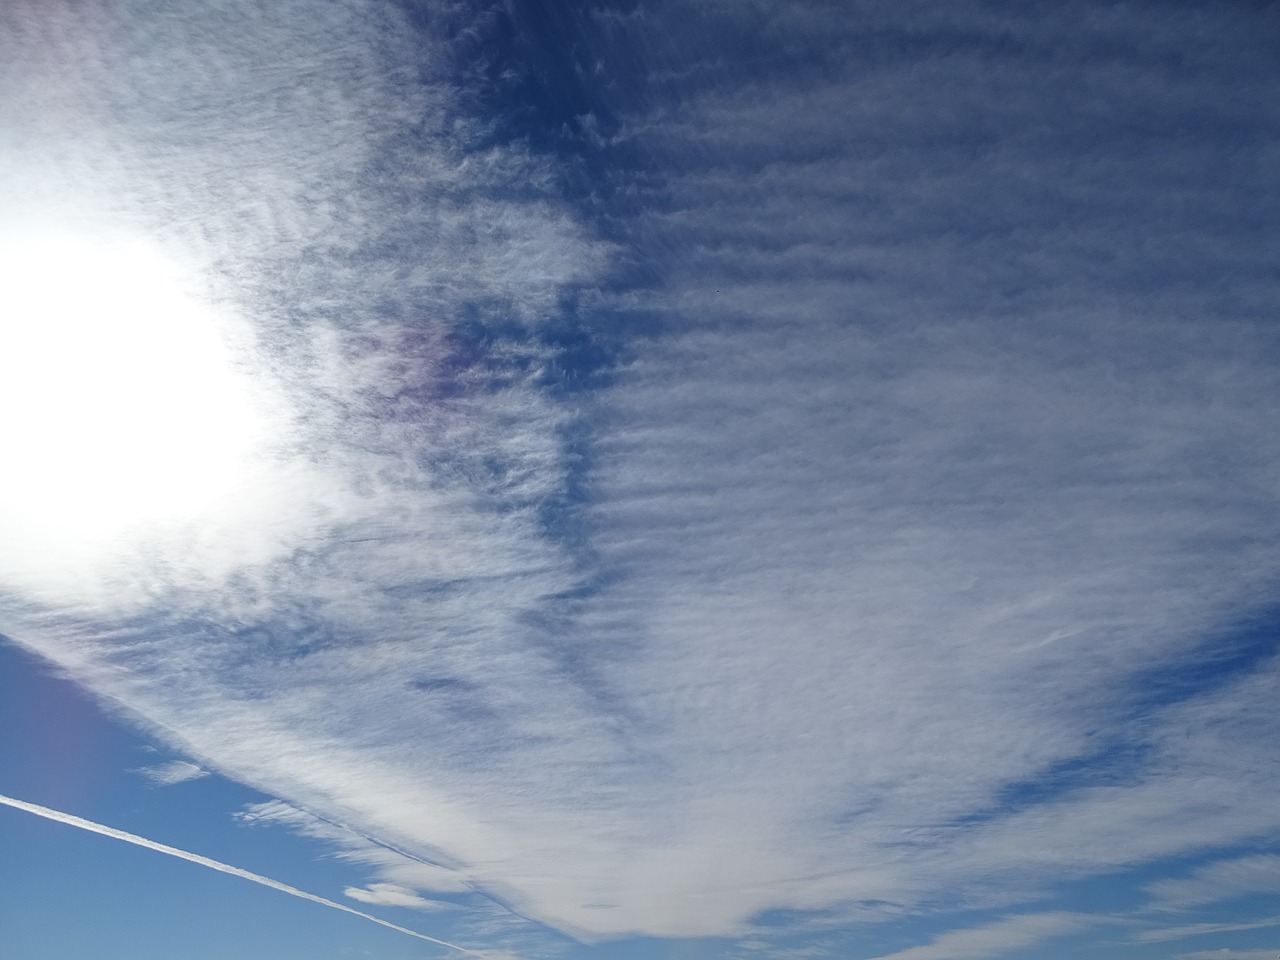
point(744, 470)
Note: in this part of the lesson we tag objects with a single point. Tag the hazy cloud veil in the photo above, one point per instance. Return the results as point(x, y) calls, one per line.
point(828, 468)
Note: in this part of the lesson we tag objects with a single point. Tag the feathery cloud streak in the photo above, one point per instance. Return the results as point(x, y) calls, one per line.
point(176, 771)
point(1217, 881)
point(909, 542)
point(993, 939)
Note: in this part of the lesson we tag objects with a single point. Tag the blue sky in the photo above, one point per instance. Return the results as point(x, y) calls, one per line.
point(625, 481)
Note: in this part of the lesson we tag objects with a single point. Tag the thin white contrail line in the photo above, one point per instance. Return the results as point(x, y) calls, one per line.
point(74, 821)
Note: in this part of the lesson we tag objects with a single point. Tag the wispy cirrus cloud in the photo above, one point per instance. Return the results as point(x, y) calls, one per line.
point(175, 771)
point(396, 865)
point(992, 939)
point(393, 895)
point(910, 531)
point(1204, 929)
point(884, 549)
point(1220, 880)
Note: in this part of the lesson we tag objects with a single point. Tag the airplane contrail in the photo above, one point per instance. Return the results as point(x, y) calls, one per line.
point(59, 817)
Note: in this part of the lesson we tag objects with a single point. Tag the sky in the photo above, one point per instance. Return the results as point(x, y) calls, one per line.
point(768, 479)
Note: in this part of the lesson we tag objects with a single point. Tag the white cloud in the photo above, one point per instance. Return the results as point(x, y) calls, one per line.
point(176, 771)
point(395, 865)
point(1204, 929)
point(393, 895)
point(993, 939)
point(259, 174)
point(1224, 953)
point(1223, 880)
point(948, 436)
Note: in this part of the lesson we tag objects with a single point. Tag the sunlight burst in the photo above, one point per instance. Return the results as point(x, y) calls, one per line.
point(126, 411)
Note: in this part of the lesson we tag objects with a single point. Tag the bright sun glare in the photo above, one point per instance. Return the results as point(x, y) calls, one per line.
point(124, 410)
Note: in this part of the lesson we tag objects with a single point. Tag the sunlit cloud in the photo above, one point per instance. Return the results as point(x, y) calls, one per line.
point(845, 488)
point(176, 771)
point(393, 895)
point(138, 418)
point(1204, 929)
point(994, 939)
point(396, 865)
point(1217, 881)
